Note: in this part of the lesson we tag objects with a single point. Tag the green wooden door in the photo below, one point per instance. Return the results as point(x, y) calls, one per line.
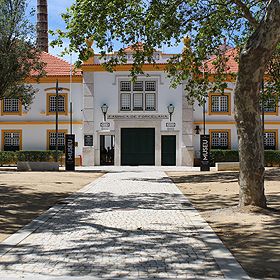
point(137, 146)
point(168, 150)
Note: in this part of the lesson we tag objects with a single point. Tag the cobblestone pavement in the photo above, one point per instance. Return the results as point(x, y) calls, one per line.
point(128, 225)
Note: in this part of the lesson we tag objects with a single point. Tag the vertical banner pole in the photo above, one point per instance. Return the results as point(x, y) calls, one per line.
point(70, 152)
point(205, 152)
point(56, 122)
point(71, 118)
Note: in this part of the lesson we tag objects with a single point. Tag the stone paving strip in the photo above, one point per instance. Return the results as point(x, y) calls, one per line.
point(127, 225)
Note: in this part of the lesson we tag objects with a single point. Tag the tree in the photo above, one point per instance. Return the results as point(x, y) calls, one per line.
point(252, 27)
point(19, 56)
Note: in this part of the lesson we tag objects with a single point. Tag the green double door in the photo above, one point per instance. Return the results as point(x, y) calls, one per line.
point(137, 146)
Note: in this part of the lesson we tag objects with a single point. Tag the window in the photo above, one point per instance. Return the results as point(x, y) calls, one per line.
point(125, 86)
point(138, 96)
point(270, 140)
point(125, 102)
point(270, 106)
point(11, 106)
point(138, 102)
point(60, 139)
point(150, 86)
point(62, 104)
point(138, 86)
point(220, 139)
point(150, 101)
point(11, 140)
point(219, 104)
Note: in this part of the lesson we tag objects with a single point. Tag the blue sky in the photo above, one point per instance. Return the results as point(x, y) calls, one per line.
point(56, 8)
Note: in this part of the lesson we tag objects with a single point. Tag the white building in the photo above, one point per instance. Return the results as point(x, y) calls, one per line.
point(146, 122)
point(34, 128)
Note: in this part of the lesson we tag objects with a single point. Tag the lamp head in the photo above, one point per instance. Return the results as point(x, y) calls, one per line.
point(104, 108)
point(171, 108)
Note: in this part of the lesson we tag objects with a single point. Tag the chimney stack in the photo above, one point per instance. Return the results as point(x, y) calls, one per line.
point(42, 25)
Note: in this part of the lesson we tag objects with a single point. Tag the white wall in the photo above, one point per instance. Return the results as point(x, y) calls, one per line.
point(34, 122)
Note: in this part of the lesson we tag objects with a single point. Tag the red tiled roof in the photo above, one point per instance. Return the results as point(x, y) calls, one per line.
point(56, 66)
point(132, 48)
point(232, 65)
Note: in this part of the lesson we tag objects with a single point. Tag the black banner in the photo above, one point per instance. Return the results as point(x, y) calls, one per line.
point(70, 152)
point(204, 152)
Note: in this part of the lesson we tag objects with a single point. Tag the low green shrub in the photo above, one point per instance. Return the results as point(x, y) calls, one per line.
point(271, 157)
point(37, 155)
point(9, 158)
point(223, 156)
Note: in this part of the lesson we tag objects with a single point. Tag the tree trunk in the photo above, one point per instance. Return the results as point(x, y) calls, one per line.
point(252, 63)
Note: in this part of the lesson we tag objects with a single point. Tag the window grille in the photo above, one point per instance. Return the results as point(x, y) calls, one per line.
point(11, 141)
point(125, 102)
point(219, 140)
point(138, 86)
point(150, 86)
point(52, 103)
point(60, 140)
point(125, 86)
point(219, 103)
point(270, 141)
point(270, 105)
point(137, 101)
point(150, 101)
point(11, 105)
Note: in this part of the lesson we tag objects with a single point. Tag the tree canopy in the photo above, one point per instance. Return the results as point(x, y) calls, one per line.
point(209, 23)
point(19, 56)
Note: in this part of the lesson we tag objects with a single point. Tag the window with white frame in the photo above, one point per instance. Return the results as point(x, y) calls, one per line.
point(11, 105)
point(60, 140)
point(219, 103)
point(270, 105)
point(11, 140)
point(138, 96)
point(270, 140)
point(61, 103)
point(137, 101)
point(125, 102)
point(220, 140)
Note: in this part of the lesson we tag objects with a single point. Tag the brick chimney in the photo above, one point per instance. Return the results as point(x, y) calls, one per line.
point(42, 25)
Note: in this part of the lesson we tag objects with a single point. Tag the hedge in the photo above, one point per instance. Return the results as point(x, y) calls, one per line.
point(9, 158)
point(271, 157)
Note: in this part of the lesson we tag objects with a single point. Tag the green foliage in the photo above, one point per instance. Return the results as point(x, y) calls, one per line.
point(19, 56)
point(224, 156)
point(209, 23)
point(271, 157)
point(38, 155)
point(7, 158)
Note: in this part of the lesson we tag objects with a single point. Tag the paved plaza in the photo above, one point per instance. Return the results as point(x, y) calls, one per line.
point(133, 224)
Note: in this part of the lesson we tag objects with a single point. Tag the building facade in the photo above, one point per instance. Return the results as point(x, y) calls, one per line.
point(34, 128)
point(120, 122)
